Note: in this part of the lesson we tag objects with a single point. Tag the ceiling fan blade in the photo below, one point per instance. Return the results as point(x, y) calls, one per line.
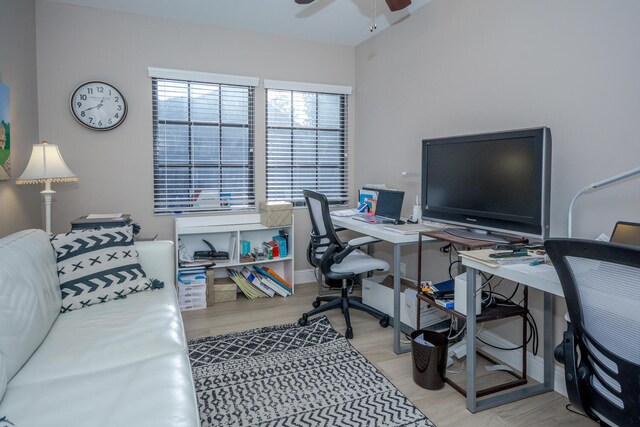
point(395, 5)
point(309, 1)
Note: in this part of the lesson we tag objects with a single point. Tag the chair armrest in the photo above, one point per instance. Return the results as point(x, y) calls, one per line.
point(359, 241)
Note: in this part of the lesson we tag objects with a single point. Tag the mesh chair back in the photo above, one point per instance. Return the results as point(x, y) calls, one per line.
point(601, 284)
point(323, 234)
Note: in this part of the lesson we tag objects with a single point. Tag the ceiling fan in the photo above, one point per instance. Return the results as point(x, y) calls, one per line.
point(394, 5)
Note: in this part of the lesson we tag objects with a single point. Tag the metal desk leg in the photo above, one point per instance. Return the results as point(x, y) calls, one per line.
point(471, 339)
point(549, 376)
point(397, 326)
point(475, 405)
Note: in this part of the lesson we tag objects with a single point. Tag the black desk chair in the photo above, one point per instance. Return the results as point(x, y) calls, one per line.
point(341, 264)
point(601, 347)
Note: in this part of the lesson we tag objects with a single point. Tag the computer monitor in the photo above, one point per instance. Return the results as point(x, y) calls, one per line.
point(627, 233)
point(494, 182)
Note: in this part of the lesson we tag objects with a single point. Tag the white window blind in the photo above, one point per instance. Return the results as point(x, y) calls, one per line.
point(306, 144)
point(203, 140)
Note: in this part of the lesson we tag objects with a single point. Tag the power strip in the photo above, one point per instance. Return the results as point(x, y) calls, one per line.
point(459, 350)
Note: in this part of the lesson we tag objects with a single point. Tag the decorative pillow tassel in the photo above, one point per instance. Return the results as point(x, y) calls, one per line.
point(156, 284)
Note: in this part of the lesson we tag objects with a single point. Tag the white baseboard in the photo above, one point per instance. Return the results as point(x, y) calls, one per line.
point(304, 276)
point(514, 358)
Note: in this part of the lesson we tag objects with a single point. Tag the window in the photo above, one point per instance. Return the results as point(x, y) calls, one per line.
point(306, 141)
point(203, 139)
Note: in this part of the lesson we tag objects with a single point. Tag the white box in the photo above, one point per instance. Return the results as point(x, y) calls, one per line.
point(377, 292)
point(460, 294)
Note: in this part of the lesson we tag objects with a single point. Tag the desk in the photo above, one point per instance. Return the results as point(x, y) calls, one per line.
point(542, 277)
point(397, 240)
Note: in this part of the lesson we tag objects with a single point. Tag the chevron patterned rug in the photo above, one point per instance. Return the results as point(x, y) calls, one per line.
point(292, 375)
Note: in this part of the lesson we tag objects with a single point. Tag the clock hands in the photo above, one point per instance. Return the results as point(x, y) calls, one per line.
point(96, 106)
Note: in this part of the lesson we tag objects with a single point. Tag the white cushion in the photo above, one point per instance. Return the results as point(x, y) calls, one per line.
point(156, 392)
point(105, 336)
point(358, 262)
point(29, 295)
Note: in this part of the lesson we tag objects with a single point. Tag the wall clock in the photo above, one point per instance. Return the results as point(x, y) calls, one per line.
point(98, 105)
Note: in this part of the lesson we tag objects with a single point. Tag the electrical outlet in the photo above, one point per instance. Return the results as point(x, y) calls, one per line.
point(403, 269)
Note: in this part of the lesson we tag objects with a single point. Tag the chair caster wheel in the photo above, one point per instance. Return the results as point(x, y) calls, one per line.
point(348, 334)
point(303, 320)
point(315, 304)
point(384, 322)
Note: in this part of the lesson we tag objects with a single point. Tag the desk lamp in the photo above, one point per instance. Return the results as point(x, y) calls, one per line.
point(597, 185)
point(46, 166)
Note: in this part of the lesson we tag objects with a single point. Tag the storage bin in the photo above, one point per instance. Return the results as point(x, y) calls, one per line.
point(275, 213)
point(222, 290)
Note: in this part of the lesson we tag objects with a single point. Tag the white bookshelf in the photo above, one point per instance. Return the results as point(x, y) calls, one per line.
point(225, 232)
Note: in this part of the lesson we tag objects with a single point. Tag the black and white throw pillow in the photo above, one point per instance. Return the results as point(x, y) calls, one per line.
point(96, 266)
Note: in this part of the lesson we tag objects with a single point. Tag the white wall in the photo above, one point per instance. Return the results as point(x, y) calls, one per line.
point(469, 66)
point(19, 205)
point(78, 44)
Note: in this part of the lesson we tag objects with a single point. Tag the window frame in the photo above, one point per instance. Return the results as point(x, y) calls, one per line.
point(191, 165)
point(343, 132)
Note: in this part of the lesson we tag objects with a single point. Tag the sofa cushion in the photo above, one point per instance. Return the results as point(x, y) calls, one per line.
point(3, 376)
point(29, 295)
point(156, 392)
point(106, 336)
point(96, 266)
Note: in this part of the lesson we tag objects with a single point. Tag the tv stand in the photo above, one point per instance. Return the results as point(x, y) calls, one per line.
point(476, 234)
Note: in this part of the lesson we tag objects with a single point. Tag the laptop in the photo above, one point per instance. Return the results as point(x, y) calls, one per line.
point(388, 207)
point(627, 233)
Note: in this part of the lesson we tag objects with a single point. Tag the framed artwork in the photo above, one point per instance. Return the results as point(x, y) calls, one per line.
point(5, 133)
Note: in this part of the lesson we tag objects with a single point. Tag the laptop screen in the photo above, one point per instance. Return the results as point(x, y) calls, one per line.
point(389, 203)
point(627, 233)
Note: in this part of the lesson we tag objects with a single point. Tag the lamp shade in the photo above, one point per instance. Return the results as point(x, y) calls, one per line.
point(46, 164)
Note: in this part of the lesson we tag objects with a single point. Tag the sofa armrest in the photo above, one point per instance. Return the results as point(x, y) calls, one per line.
point(158, 260)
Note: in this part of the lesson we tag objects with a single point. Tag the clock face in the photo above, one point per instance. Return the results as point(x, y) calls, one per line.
point(98, 105)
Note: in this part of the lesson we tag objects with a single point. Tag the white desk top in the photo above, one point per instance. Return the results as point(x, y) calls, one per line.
point(376, 230)
point(542, 277)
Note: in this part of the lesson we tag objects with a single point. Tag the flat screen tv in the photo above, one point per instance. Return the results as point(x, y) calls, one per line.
point(489, 183)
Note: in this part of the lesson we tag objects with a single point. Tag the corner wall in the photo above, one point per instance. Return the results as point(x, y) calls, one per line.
point(19, 205)
point(468, 66)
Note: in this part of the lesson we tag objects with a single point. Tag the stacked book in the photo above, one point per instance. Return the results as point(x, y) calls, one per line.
point(261, 282)
point(192, 289)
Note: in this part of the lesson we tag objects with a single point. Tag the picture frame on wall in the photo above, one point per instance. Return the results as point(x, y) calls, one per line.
point(5, 133)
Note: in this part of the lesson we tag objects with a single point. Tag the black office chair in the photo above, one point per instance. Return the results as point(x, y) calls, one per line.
point(341, 264)
point(601, 347)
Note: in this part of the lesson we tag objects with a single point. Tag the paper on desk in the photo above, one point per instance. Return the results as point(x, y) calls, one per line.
point(532, 269)
point(104, 216)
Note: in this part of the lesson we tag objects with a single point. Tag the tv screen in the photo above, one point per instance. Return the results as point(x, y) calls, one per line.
point(495, 182)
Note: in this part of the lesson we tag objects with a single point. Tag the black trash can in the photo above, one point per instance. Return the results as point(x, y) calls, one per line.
point(429, 358)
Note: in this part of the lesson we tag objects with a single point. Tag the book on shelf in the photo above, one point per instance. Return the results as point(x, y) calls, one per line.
point(255, 281)
point(273, 275)
point(232, 247)
point(246, 288)
point(261, 271)
point(277, 287)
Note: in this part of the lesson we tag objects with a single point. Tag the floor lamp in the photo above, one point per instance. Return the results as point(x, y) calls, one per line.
point(46, 166)
point(597, 185)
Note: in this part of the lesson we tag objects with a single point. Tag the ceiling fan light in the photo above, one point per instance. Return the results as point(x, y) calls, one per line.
point(395, 5)
point(309, 1)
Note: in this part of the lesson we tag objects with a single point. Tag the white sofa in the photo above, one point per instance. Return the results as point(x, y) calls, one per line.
point(121, 363)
